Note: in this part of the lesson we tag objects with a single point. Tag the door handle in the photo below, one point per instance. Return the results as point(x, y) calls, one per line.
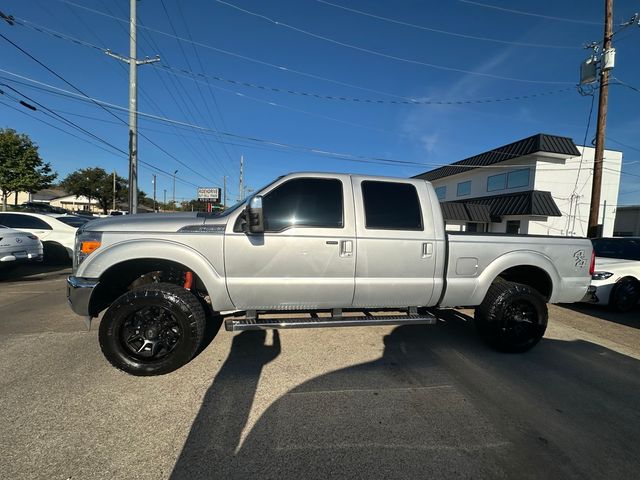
point(427, 249)
point(346, 248)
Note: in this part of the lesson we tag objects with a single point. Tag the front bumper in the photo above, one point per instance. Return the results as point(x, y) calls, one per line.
point(79, 292)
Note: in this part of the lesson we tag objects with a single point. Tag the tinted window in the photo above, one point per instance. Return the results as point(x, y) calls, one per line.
point(441, 193)
point(627, 248)
point(23, 221)
point(305, 202)
point(464, 188)
point(496, 182)
point(391, 206)
point(519, 178)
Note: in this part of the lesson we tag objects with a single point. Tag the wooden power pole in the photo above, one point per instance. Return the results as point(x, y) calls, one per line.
point(603, 98)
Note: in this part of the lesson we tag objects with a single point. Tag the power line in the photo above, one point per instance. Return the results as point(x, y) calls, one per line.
point(386, 55)
point(55, 115)
point(530, 14)
point(374, 101)
point(446, 32)
point(184, 55)
point(314, 95)
point(281, 68)
point(278, 144)
point(162, 149)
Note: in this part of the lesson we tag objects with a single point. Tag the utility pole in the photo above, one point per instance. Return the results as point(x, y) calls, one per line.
point(241, 186)
point(174, 190)
point(114, 190)
point(224, 192)
point(154, 193)
point(164, 202)
point(133, 62)
point(603, 97)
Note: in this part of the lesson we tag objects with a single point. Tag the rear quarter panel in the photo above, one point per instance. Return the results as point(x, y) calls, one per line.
point(474, 262)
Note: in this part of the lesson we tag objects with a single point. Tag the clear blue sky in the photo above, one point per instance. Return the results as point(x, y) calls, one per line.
point(427, 134)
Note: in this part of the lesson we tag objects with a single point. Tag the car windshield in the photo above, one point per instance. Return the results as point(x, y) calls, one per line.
point(622, 248)
point(234, 207)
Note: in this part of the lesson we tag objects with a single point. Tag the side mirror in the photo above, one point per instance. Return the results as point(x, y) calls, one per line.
point(254, 216)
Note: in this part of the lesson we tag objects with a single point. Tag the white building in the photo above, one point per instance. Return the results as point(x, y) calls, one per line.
point(538, 185)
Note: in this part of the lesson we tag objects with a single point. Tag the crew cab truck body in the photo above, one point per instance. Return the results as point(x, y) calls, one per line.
point(313, 243)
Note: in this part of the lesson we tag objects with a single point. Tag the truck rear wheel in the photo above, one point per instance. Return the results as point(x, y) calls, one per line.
point(512, 317)
point(152, 330)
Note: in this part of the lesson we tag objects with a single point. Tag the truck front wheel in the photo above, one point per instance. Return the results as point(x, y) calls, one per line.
point(152, 330)
point(512, 317)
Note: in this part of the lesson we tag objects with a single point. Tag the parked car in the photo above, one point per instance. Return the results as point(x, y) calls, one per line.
point(74, 220)
point(41, 207)
point(57, 237)
point(312, 242)
point(616, 280)
point(17, 247)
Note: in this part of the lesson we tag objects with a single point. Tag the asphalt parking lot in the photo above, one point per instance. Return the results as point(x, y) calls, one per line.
point(381, 402)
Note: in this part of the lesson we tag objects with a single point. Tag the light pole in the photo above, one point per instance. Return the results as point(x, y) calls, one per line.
point(164, 200)
point(174, 190)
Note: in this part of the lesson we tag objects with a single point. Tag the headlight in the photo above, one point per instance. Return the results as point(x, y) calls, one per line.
point(86, 244)
point(601, 275)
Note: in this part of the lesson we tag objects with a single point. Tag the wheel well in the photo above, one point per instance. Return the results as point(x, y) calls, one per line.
point(531, 276)
point(125, 276)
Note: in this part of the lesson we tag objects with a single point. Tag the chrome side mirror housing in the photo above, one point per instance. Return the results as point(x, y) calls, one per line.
point(254, 216)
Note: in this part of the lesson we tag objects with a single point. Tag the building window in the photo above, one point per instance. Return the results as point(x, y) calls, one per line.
point(474, 227)
point(464, 188)
point(441, 192)
point(391, 206)
point(518, 178)
point(497, 182)
point(513, 226)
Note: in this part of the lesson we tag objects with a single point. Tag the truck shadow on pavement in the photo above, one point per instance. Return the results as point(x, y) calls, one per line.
point(437, 404)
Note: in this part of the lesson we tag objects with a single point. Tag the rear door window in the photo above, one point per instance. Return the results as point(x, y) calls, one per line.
point(391, 206)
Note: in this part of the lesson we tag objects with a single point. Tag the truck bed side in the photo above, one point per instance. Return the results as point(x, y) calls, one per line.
point(557, 267)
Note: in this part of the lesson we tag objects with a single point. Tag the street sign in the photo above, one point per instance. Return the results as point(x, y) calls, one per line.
point(209, 194)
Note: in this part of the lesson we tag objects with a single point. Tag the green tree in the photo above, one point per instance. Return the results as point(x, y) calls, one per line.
point(95, 184)
point(21, 168)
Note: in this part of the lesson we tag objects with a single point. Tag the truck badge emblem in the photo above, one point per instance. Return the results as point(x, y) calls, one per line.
point(580, 258)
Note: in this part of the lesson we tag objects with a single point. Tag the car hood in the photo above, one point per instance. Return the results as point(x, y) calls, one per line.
point(151, 222)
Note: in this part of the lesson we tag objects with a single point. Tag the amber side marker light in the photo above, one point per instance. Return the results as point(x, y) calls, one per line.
point(89, 246)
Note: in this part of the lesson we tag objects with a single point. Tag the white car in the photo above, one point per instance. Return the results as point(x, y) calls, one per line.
point(57, 237)
point(616, 280)
point(17, 247)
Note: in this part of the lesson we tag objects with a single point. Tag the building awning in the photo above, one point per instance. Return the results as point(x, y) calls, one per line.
point(466, 212)
point(487, 209)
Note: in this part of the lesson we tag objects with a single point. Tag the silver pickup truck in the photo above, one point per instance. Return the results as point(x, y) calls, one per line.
point(320, 250)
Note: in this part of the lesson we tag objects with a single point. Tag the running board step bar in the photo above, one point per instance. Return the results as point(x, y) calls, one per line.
point(235, 325)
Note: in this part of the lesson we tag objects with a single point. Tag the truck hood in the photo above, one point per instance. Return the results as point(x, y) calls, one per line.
point(152, 222)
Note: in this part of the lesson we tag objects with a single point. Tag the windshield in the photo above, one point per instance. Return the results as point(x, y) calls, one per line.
point(234, 207)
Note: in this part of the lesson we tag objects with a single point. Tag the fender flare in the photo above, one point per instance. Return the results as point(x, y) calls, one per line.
point(102, 260)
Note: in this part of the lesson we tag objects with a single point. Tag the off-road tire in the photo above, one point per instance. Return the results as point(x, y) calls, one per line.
point(185, 314)
point(512, 317)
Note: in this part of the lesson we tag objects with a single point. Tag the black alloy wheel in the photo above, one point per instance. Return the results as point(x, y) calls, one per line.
point(152, 330)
